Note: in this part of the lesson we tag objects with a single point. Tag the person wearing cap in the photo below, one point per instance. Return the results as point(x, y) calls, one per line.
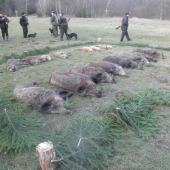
point(54, 23)
point(124, 27)
point(24, 23)
point(63, 26)
point(4, 26)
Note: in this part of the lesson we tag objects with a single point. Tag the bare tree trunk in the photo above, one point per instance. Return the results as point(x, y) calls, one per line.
point(46, 154)
point(161, 9)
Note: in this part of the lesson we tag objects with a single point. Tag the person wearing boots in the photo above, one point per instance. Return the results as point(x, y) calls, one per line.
point(4, 26)
point(24, 23)
point(124, 27)
point(63, 26)
point(54, 23)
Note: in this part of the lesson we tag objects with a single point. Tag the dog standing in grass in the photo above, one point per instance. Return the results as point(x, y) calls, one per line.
point(70, 36)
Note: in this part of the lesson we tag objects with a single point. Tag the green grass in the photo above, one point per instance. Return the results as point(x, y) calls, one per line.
point(135, 153)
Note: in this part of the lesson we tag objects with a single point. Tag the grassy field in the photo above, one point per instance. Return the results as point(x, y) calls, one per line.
point(135, 153)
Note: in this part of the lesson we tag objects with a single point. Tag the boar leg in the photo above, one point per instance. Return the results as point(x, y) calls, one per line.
point(68, 96)
point(108, 71)
point(61, 92)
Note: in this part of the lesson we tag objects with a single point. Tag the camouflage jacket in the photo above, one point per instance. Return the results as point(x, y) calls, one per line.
point(63, 22)
point(3, 22)
point(23, 21)
point(125, 23)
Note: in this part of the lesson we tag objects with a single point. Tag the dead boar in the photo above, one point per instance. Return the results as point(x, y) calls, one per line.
point(137, 57)
point(78, 83)
point(42, 99)
point(14, 64)
point(124, 62)
point(115, 69)
point(98, 73)
point(151, 52)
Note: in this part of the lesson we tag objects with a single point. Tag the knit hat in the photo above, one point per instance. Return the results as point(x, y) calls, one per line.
point(23, 13)
point(1, 12)
point(126, 13)
point(52, 12)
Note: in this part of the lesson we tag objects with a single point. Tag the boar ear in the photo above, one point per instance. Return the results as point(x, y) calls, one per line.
point(45, 106)
point(154, 53)
point(80, 89)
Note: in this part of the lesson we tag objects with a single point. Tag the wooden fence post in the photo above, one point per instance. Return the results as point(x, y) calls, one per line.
point(46, 153)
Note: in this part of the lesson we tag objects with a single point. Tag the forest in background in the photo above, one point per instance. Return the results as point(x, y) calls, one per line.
point(151, 9)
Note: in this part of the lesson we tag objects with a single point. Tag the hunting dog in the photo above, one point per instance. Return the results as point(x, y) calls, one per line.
point(51, 30)
point(70, 36)
point(32, 35)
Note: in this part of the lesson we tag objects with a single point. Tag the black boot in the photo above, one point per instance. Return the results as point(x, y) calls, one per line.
point(7, 38)
point(4, 39)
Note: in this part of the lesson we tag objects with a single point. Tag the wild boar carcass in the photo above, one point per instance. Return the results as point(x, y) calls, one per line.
point(98, 73)
point(41, 99)
point(151, 52)
point(138, 57)
point(78, 83)
point(124, 62)
point(115, 69)
point(14, 64)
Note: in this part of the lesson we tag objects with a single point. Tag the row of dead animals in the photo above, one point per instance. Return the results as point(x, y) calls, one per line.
point(81, 80)
point(14, 64)
point(94, 48)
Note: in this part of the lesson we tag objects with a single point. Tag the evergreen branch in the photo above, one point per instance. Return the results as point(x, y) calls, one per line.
point(13, 126)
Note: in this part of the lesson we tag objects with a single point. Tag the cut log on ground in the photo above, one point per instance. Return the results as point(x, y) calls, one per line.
point(46, 153)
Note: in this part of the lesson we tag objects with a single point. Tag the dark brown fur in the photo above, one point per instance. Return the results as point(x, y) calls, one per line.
point(77, 83)
point(41, 99)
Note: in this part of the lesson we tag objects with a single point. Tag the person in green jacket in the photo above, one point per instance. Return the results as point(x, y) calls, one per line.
point(24, 23)
point(4, 26)
point(124, 27)
point(54, 23)
point(63, 26)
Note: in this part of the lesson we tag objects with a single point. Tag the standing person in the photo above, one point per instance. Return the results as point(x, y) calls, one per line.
point(54, 23)
point(24, 23)
point(63, 26)
point(124, 27)
point(4, 26)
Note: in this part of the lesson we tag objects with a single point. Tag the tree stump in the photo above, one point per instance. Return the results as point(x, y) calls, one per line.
point(46, 153)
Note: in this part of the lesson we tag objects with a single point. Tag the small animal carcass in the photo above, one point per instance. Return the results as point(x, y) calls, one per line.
point(115, 69)
point(124, 62)
point(61, 55)
point(78, 83)
point(98, 73)
point(151, 52)
point(46, 58)
point(42, 99)
point(14, 64)
point(33, 60)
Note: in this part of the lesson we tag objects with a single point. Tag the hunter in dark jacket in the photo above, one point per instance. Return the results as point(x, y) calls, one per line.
point(4, 25)
point(63, 26)
point(54, 23)
point(24, 23)
point(124, 27)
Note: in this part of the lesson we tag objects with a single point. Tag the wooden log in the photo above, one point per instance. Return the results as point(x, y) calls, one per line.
point(46, 153)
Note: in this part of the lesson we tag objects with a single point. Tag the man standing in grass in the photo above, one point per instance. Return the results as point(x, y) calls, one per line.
point(4, 26)
point(63, 26)
point(54, 23)
point(24, 23)
point(124, 27)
